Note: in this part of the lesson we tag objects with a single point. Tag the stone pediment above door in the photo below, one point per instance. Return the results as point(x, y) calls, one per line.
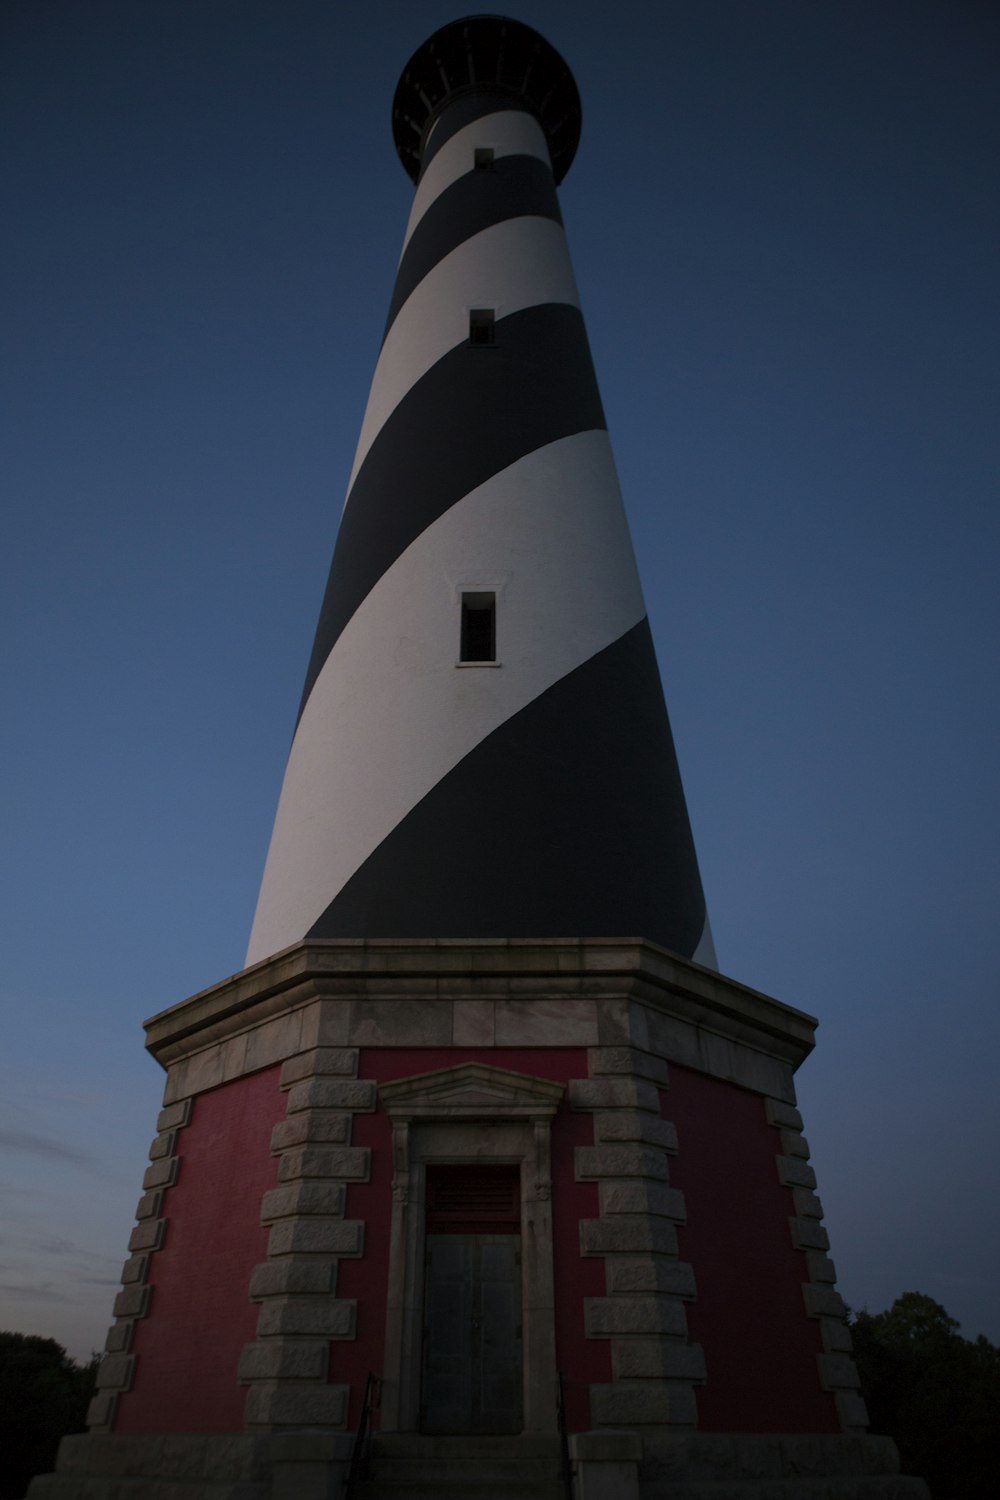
point(471, 1091)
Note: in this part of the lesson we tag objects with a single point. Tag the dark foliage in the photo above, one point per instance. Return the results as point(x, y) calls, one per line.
point(43, 1395)
point(936, 1393)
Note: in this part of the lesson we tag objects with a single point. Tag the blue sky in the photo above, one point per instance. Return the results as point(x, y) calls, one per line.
point(784, 220)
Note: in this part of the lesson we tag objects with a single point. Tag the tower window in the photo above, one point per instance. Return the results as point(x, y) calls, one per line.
point(484, 158)
point(481, 321)
point(479, 627)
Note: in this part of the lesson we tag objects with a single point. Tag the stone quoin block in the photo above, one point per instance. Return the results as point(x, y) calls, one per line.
point(134, 1269)
point(149, 1205)
point(311, 1128)
point(278, 1359)
point(132, 1302)
point(317, 1237)
point(147, 1235)
point(794, 1144)
point(631, 1125)
point(626, 1160)
point(163, 1145)
point(161, 1174)
point(101, 1411)
point(807, 1204)
point(306, 1197)
point(629, 1060)
point(626, 1274)
point(174, 1116)
point(316, 1317)
point(650, 1403)
point(119, 1337)
point(785, 1116)
point(606, 1316)
point(648, 1358)
point(115, 1372)
point(328, 1093)
point(642, 1197)
point(838, 1372)
point(836, 1336)
point(278, 1278)
point(822, 1301)
point(852, 1411)
point(625, 1233)
point(340, 1062)
point(820, 1267)
point(613, 1093)
point(808, 1234)
point(273, 1405)
point(350, 1162)
point(794, 1172)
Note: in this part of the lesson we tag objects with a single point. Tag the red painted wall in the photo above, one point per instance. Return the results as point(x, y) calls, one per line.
point(582, 1360)
point(200, 1315)
point(760, 1347)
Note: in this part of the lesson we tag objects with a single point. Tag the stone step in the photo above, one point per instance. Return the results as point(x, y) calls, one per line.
point(473, 1446)
point(115, 1487)
point(844, 1487)
point(138, 1466)
point(477, 1487)
point(449, 1471)
point(412, 1466)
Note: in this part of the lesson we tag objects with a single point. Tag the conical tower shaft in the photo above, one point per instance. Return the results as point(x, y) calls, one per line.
point(482, 746)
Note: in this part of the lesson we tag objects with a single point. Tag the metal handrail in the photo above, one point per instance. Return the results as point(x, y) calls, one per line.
point(360, 1465)
point(567, 1466)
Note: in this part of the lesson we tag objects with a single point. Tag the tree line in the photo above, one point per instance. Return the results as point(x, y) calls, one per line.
point(935, 1393)
point(44, 1394)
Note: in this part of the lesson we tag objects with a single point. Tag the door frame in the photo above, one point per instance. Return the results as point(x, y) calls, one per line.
point(470, 1113)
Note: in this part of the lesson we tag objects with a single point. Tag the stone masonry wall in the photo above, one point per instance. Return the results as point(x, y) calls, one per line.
point(837, 1371)
point(643, 1314)
point(287, 1368)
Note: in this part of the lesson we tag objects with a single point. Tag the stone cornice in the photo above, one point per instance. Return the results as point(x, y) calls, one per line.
point(515, 971)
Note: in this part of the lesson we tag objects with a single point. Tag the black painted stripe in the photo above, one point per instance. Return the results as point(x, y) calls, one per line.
point(474, 412)
point(462, 112)
point(568, 820)
point(512, 187)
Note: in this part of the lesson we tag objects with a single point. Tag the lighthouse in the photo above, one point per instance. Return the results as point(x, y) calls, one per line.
point(480, 1176)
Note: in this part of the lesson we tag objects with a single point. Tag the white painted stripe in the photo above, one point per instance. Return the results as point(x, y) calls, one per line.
point(512, 265)
point(390, 714)
point(705, 951)
point(510, 132)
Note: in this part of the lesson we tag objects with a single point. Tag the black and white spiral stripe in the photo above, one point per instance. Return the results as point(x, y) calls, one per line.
point(539, 796)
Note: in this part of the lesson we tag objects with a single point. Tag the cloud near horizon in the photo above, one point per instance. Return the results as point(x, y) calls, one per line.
point(28, 1291)
point(39, 1145)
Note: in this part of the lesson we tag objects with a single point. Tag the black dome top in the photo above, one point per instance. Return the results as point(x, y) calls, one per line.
point(486, 54)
